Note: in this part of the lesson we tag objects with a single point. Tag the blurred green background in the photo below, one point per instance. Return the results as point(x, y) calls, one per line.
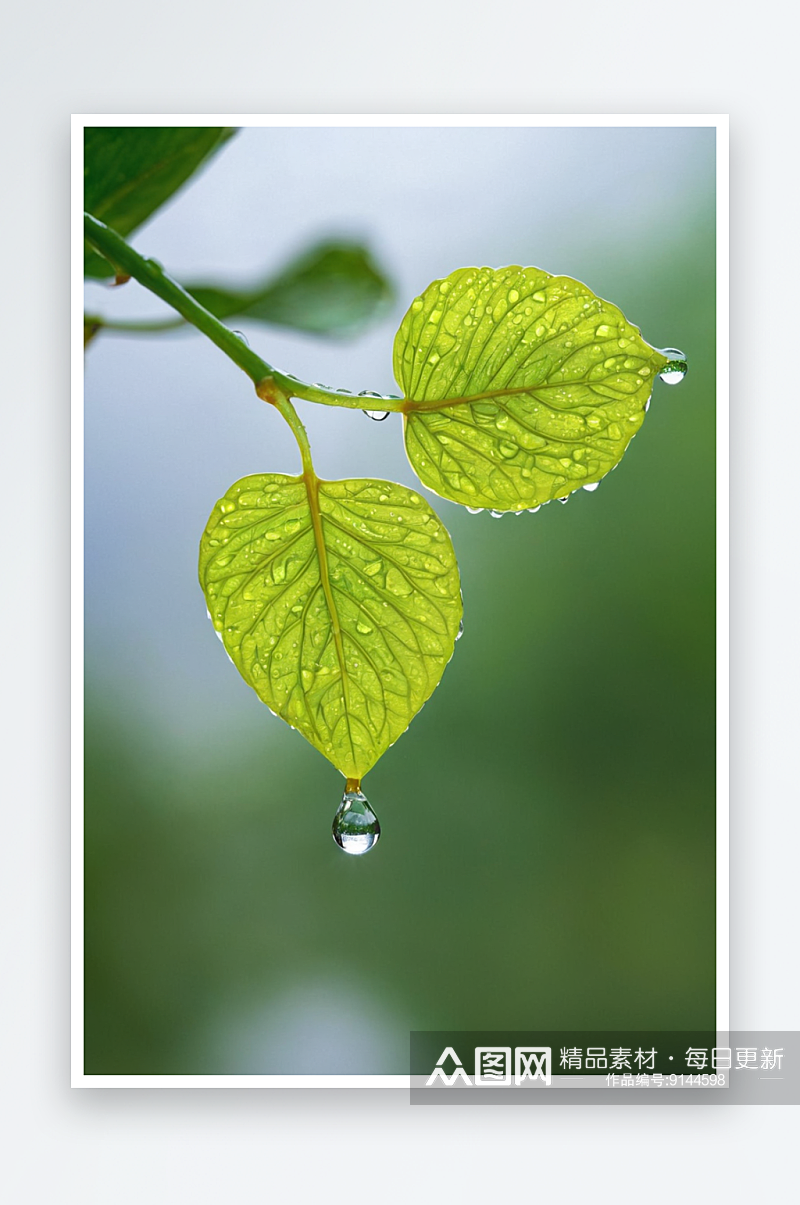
point(548, 847)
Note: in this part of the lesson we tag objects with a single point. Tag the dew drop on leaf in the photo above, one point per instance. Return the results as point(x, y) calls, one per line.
point(475, 510)
point(355, 826)
point(676, 370)
point(243, 337)
point(592, 486)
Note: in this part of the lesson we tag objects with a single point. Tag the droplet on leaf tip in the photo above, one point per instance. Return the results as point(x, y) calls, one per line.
point(355, 828)
point(674, 372)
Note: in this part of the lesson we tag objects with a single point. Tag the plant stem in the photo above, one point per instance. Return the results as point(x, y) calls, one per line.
point(137, 326)
point(151, 275)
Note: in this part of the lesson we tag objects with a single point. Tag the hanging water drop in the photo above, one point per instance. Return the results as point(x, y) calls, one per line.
point(460, 631)
point(242, 336)
point(355, 826)
point(565, 498)
point(475, 510)
point(677, 368)
point(592, 486)
point(497, 514)
point(377, 416)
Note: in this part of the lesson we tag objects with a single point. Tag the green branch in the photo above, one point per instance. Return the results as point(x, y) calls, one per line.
point(151, 275)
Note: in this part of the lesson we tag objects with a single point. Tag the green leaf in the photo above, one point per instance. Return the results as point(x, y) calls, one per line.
point(331, 289)
point(130, 170)
point(521, 387)
point(337, 601)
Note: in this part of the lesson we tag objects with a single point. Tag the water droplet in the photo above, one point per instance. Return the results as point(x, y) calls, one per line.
point(243, 337)
point(565, 498)
point(592, 486)
point(377, 416)
point(460, 631)
point(533, 509)
point(475, 510)
point(676, 370)
point(497, 514)
point(355, 826)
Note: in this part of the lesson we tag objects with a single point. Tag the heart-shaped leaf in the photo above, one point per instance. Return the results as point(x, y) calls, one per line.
point(331, 289)
point(130, 170)
point(520, 387)
point(338, 602)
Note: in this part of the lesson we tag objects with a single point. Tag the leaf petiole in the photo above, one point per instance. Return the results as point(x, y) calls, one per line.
point(136, 326)
point(270, 392)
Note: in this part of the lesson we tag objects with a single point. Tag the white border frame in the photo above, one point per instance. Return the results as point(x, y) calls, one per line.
point(79, 121)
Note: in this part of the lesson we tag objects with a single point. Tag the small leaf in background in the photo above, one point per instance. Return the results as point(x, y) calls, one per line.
point(331, 289)
point(521, 387)
point(90, 328)
point(339, 603)
point(129, 171)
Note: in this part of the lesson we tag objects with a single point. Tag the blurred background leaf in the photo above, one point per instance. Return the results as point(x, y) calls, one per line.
point(332, 289)
point(130, 171)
